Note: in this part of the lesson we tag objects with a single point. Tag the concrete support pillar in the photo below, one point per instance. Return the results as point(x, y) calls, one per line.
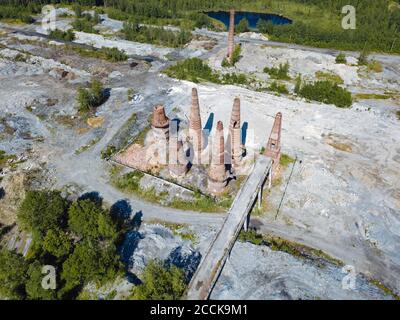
point(260, 197)
point(246, 223)
point(270, 178)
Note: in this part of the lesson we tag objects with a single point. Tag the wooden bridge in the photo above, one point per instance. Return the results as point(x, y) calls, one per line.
point(211, 265)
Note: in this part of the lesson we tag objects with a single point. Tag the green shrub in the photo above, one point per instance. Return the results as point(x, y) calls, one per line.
point(13, 269)
point(62, 35)
point(341, 58)
point(89, 99)
point(251, 236)
point(114, 54)
point(327, 92)
point(194, 70)
point(133, 31)
point(242, 26)
point(280, 73)
point(277, 87)
point(235, 57)
point(161, 282)
point(329, 76)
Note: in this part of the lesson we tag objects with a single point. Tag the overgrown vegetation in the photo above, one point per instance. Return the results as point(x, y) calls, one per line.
point(280, 73)
point(85, 22)
point(133, 31)
point(91, 98)
point(326, 92)
point(105, 53)
point(57, 34)
point(285, 160)
point(341, 58)
point(78, 238)
point(315, 22)
point(235, 57)
point(293, 248)
point(196, 70)
point(160, 282)
point(242, 26)
point(329, 76)
point(278, 87)
point(130, 182)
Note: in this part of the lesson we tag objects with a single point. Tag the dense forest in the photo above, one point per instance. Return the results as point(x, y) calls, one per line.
point(316, 22)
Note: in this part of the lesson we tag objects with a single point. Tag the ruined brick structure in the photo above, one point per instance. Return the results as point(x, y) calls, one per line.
point(217, 173)
point(195, 128)
point(273, 149)
point(235, 134)
point(231, 34)
point(160, 123)
point(177, 162)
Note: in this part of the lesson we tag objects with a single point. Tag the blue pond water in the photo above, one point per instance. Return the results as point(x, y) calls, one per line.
point(252, 17)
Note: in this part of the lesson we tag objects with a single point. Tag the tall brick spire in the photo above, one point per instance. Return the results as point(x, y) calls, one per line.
point(217, 172)
point(195, 128)
point(231, 34)
point(273, 149)
point(178, 164)
point(235, 133)
point(160, 122)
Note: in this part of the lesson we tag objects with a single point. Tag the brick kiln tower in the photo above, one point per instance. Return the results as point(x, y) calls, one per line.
point(235, 134)
point(160, 123)
point(195, 128)
point(231, 34)
point(217, 173)
point(178, 163)
point(273, 149)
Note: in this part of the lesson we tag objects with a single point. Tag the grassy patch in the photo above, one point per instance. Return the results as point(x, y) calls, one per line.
point(87, 146)
point(398, 114)
point(251, 236)
point(5, 158)
point(385, 289)
point(293, 248)
point(130, 182)
point(375, 66)
point(329, 76)
point(179, 230)
point(235, 57)
point(278, 88)
point(280, 73)
point(325, 92)
point(286, 160)
point(372, 96)
point(196, 70)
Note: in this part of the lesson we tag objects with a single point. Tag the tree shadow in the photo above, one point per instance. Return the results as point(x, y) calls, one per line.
point(2, 193)
point(121, 211)
point(93, 196)
point(188, 260)
point(137, 220)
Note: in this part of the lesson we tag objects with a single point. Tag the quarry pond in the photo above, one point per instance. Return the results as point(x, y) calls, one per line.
point(252, 17)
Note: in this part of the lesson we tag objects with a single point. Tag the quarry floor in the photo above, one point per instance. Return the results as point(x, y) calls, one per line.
point(342, 195)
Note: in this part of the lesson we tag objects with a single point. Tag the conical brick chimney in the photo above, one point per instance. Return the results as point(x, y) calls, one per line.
point(273, 149)
point(195, 127)
point(217, 172)
point(235, 134)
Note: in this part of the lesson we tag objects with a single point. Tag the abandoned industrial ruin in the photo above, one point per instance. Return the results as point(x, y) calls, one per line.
point(166, 145)
point(179, 150)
